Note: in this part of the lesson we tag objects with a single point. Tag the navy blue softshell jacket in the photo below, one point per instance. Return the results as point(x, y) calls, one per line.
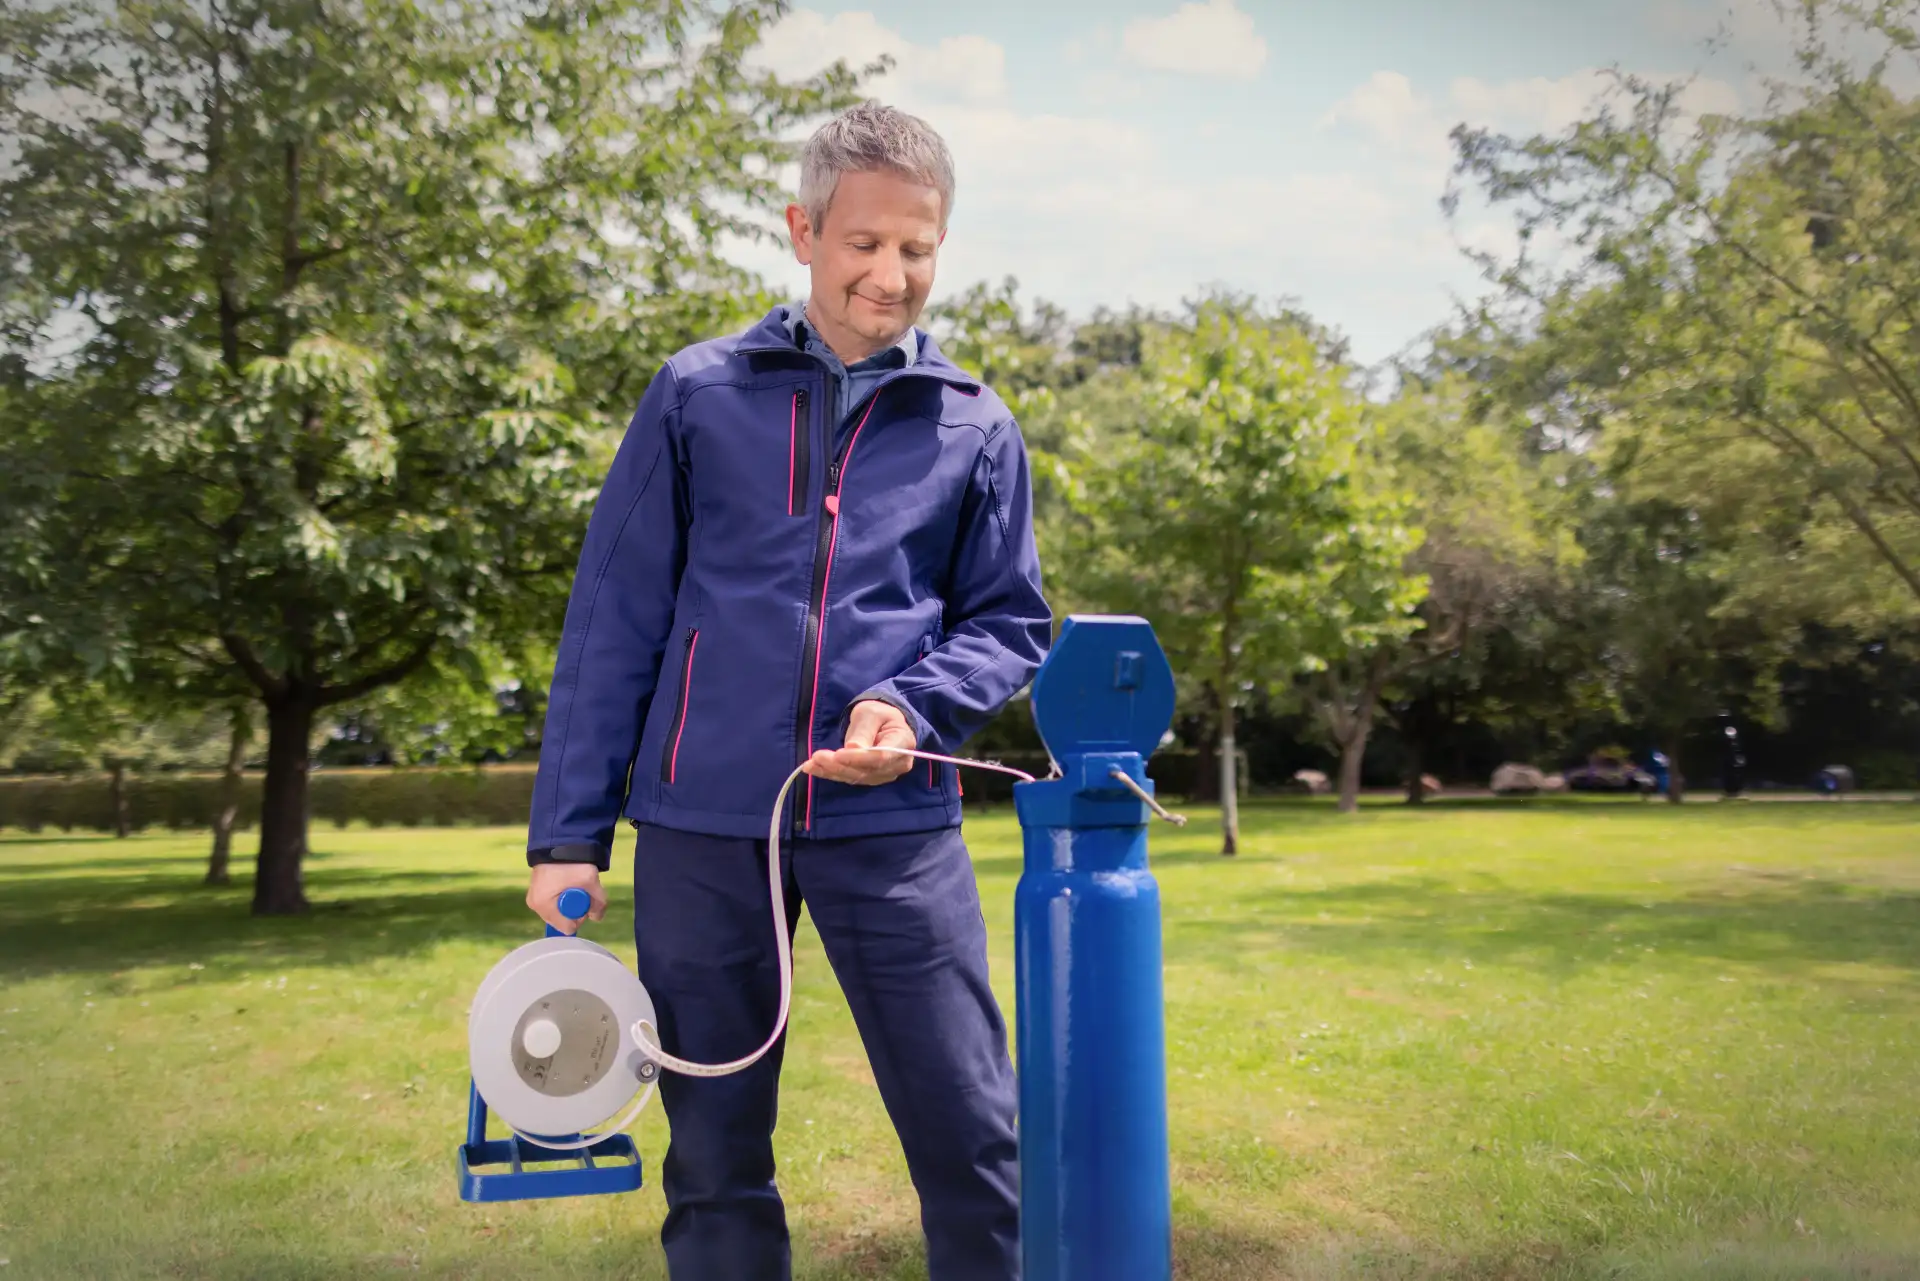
point(752, 569)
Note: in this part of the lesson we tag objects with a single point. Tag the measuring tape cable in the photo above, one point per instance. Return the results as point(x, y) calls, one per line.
point(647, 1037)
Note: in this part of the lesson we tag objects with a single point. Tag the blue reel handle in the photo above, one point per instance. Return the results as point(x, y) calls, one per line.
point(574, 904)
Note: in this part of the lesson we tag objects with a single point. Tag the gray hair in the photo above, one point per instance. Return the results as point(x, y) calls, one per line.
point(866, 139)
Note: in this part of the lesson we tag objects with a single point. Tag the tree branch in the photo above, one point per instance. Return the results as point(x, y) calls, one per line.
point(1854, 512)
point(242, 653)
point(373, 680)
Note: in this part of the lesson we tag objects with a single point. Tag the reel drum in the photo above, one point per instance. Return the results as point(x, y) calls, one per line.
point(550, 1037)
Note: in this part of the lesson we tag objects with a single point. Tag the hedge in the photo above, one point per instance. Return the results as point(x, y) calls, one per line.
point(425, 796)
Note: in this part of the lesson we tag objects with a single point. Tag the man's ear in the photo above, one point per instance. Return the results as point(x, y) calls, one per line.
point(800, 231)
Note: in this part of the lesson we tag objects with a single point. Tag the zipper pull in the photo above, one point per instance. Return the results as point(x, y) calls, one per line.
point(833, 476)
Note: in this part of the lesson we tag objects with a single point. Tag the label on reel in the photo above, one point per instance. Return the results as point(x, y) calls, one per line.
point(589, 1039)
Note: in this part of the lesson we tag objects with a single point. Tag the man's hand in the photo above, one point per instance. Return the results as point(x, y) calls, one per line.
point(546, 882)
point(872, 724)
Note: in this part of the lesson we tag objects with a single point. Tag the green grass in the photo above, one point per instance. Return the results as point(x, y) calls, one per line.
point(1487, 1040)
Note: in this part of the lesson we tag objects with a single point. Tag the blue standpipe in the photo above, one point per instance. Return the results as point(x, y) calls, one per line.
point(1095, 1195)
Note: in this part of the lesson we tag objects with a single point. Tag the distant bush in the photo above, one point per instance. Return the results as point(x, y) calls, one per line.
point(490, 795)
point(1884, 770)
point(423, 796)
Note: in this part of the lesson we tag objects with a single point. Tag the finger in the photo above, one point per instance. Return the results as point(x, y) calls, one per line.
point(825, 764)
point(895, 734)
point(543, 906)
point(862, 726)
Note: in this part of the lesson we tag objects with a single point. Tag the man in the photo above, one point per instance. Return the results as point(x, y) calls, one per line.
point(816, 538)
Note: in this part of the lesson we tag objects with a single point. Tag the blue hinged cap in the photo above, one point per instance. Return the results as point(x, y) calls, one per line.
point(1106, 686)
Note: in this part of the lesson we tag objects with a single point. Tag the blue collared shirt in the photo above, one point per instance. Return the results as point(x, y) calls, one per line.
point(851, 383)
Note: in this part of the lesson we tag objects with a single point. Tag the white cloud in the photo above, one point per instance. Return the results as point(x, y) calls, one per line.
point(1209, 38)
point(1410, 130)
point(1087, 207)
point(964, 68)
point(1385, 106)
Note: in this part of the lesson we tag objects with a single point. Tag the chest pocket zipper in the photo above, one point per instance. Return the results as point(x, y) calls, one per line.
point(799, 455)
point(670, 752)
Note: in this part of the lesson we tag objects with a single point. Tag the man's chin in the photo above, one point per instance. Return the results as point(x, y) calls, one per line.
point(876, 321)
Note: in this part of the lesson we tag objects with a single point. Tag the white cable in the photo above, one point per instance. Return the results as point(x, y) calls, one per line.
point(647, 1037)
point(644, 1033)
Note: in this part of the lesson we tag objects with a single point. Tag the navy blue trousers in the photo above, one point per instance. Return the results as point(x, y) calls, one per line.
point(899, 917)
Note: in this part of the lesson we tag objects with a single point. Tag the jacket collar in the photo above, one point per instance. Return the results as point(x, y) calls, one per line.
point(774, 334)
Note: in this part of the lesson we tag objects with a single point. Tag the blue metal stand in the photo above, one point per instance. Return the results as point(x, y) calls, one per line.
point(510, 1180)
point(1095, 1195)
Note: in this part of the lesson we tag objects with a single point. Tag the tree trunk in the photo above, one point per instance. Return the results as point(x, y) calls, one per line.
point(117, 785)
point(1352, 752)
point(277, 885)
point(1416, 768)
point(1676, 785)
point(218, 860)
point(1229, 783)
point(1206, 768)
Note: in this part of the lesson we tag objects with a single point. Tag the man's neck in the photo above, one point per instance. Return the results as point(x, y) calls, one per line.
point(848, 347)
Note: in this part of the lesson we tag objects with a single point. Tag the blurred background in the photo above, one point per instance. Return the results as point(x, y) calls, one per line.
point(1497, 397)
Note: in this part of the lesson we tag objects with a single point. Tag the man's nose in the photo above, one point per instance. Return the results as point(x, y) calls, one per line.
point(889, 273)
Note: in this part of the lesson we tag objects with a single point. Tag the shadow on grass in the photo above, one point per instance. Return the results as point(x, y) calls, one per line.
point(82, 920)
point(119, 909)
point(85, 921)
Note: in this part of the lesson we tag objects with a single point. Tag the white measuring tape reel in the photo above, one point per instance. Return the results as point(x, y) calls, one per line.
point(550, 1038)
point(561, 1033)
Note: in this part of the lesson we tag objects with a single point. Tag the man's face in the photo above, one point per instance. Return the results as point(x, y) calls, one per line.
point(872, 260)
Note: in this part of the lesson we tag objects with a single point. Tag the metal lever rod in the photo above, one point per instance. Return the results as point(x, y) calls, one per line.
point(1178, 820)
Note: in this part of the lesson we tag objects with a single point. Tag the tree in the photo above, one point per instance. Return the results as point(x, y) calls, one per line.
point(1227, 505)
point(1734, 303)
point(316, 316)
point(1497, 534)
point(1677, 646)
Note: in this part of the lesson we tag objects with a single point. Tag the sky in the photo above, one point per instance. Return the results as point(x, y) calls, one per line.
point(1138, 151)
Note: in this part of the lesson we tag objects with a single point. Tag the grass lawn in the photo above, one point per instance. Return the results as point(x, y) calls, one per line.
point(1550, 1040)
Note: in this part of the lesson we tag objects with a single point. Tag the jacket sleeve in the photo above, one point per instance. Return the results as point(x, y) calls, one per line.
point(612, 642)
point(997, 624)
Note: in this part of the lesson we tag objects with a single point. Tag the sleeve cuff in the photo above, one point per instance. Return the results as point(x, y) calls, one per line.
point(584, 852)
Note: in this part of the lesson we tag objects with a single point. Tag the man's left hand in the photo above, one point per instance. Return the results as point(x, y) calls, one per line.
point(873, 724)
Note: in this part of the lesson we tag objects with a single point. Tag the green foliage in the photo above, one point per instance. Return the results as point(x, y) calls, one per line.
point(318, 322)
point(1228, 502)
point(84, 727)
point(180, 801)
point(1731, 304)
point(1498, 541)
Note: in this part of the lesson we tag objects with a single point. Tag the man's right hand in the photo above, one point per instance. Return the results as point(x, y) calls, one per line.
point(546, 882)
